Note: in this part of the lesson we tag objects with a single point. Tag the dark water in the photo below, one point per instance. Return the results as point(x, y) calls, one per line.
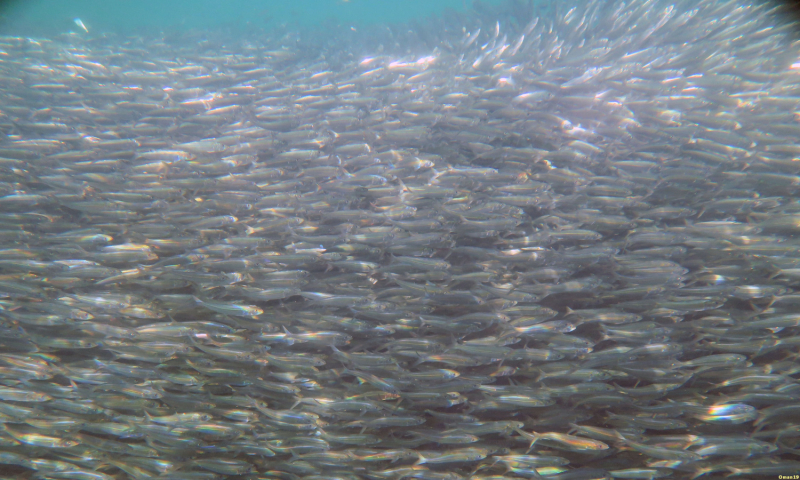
point(503, 241)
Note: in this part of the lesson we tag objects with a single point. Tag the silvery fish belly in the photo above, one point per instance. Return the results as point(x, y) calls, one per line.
point(529, 240)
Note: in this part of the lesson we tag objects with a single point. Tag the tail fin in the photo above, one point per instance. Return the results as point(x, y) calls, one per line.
point(533, 436)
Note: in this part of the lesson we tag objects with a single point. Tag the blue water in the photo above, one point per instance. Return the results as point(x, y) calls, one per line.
point(53, 16)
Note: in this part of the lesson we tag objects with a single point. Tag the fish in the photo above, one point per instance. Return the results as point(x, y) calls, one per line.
point(80, 23)
point(443, 249)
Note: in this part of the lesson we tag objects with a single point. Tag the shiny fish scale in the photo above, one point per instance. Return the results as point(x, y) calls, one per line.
point(564, 236)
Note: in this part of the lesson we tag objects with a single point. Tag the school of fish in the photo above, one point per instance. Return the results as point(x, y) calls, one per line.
point(555, 245)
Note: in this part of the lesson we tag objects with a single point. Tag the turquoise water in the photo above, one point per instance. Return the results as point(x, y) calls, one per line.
point(51, 16)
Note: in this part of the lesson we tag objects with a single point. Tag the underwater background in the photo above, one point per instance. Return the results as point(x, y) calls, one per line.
point(127, 15)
